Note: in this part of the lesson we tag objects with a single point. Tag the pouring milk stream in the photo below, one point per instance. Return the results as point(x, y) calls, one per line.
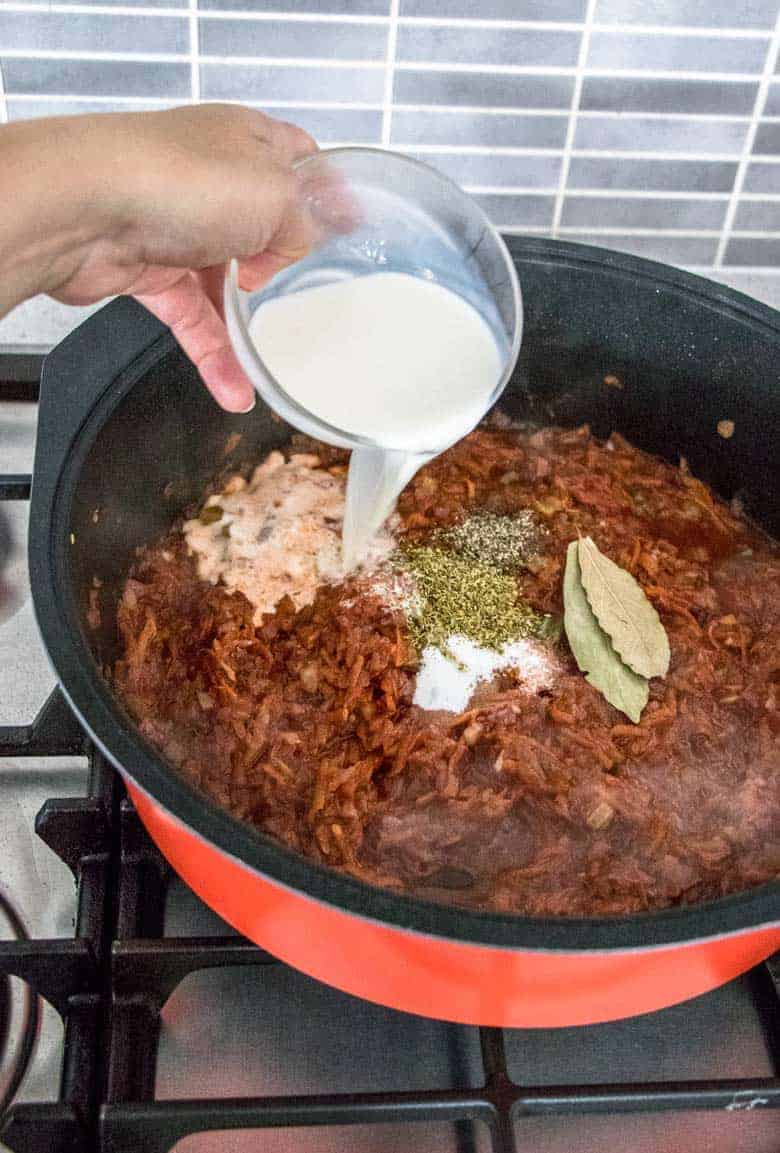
point(394, 335)
point(399, 360)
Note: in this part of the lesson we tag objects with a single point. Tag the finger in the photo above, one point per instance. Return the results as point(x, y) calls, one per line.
point(194, 321)
point(213, 281)
point(254, 273)
point(291, 142)
point(295, 236)
point(332, 203)
point(288, 142)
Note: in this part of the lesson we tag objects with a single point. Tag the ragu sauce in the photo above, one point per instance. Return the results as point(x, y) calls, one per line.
point(539, 797)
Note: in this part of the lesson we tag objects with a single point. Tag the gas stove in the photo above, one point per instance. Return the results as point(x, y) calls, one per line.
point(144, 1024)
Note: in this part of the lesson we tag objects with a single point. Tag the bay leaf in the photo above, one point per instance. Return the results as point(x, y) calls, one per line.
point(593, 650)
point(624, 612)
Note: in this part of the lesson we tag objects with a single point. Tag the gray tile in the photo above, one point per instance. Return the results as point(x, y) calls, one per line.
point(33, 31)
point(667, 53)
point(96, 77)
point(636, 212)
point(698, 13)
point(625, 94)
point(32, 109)
point(761, 285)
point(767, 140)
point(650, 134)
point(497, 170)
point(519, 211)
point(498, 9)
point(482, 89)
point(758, 216)
point(496, 131)
point(752, 252)
point(343, 7)
point(120, 3)
point(259, 82)
point(293, 38)
point(772, 106)
point(334, 125)
point(762, 178)
point(487, 46)
point(678, 250)
point(662, 175)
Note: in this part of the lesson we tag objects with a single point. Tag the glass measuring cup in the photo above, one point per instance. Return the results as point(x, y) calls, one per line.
point(377, 211)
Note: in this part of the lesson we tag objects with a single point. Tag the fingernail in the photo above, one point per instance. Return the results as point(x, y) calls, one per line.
point(250, 406)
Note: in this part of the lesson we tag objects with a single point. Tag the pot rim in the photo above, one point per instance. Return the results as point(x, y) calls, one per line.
point(116, 734)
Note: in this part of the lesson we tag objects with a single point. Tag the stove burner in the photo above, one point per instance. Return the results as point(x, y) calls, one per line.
point(18, 1018)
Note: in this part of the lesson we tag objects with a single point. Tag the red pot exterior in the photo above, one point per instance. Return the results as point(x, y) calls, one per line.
point(437, 977)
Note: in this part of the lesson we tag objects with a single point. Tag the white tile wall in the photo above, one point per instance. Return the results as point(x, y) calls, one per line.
point(647, 125)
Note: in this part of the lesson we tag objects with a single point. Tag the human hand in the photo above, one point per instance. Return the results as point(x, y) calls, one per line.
point(161, 201)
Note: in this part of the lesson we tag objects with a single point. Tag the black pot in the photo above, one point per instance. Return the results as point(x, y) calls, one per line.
point(128, 438)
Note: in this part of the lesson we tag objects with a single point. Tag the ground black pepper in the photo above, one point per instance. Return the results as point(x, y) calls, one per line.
point(505, 542)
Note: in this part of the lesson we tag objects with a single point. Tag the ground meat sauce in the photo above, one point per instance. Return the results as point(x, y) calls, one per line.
point(540, 802)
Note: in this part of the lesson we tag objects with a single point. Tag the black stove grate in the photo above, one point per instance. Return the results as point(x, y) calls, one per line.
point(110, 982)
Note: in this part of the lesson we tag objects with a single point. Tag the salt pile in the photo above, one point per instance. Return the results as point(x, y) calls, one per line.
point(447, 682)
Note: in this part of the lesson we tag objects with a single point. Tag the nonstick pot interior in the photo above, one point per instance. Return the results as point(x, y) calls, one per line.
point(620, 343)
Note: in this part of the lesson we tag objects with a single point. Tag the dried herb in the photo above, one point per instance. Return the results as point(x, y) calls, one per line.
point(506, 542)
point(210, 514)
point(593, 650)
point(624, 612)
point(458, 595)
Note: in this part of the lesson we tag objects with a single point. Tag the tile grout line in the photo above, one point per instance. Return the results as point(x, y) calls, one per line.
point(437, 109)
point(443, 109)
point(390, 63)
point(194, 52)
point(612, 193)
point(628, 193)
point(582, 59)
point(591, 113)
point(616, 28)
point(767, 75)
point(429, 66)
point(687, 155)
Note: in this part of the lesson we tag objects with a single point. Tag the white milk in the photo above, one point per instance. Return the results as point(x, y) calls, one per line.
point(398, 360)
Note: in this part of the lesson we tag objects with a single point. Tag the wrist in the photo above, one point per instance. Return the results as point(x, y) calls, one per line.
point(52, 184)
